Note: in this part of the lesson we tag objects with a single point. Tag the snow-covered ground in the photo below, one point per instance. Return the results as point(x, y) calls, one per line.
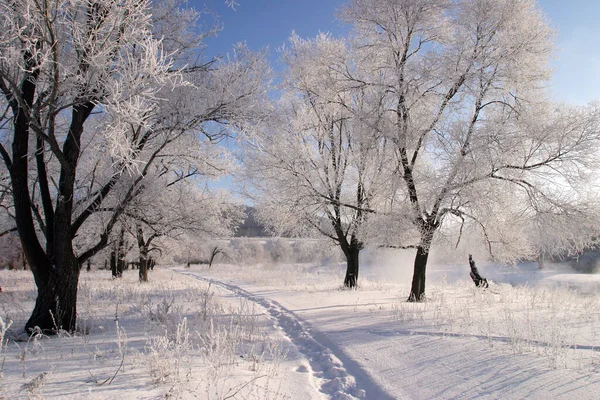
point(289, 332)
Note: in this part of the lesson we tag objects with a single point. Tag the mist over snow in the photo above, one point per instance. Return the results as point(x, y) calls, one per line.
point(396, 266)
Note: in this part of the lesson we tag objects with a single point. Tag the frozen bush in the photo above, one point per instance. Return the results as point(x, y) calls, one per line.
point(247, 251)
point(280, 250)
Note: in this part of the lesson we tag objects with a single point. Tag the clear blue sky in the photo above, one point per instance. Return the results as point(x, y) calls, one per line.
point(577, 64)
point(262, 23)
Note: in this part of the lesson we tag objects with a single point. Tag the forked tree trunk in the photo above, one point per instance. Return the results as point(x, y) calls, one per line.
point(352, 264)
point(215, 251)
point(55, 267)
point(56, 277)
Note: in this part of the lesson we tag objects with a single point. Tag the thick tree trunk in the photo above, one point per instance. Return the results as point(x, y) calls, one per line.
point(55, 269)
point(56, 304)
point(352, 264)
point(143, 268)
point(417, 290)
point(143, 272)
point(113, 264)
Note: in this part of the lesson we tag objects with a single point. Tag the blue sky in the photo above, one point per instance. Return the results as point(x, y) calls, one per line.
point(577, 64)
point(262, 23)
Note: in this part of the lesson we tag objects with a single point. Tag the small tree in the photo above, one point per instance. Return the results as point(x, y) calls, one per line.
point(171, 211)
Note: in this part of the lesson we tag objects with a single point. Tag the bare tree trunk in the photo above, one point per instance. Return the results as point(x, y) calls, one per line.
point(120, 253)
point(417, 290)
point(540, 261)
point(56, 274)
point(56, 304)
point(351, 251)
point(352, 264)
point(113, 264)
point(214, 254)
point(120, 266)
point(143, 250)
point(143, 273)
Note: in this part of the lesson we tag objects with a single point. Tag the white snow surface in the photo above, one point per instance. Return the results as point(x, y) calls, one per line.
point(533, 334)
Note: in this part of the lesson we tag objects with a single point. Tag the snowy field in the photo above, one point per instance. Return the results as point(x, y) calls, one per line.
point(289, 332)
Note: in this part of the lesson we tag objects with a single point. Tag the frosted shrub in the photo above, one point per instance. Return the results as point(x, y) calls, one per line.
point(165, 313)
point(306, 251)
point(4, 326)
point(316, 251)
point(224, 339)
point(407, 312)
point(247, 251)
point(33, 387)
point(168, 353)
point(280, 250)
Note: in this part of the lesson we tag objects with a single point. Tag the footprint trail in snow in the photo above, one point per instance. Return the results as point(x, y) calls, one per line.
point(338, 379)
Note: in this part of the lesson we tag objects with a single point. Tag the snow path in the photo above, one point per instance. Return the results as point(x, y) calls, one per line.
point(340, 377)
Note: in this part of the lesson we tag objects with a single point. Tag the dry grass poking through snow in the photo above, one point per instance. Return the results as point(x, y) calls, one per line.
point(169, 338)
point(558, 324)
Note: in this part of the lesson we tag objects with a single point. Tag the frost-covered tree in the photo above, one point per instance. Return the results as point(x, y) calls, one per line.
point(477, 145)
point(92, 103)
point(318, 167)
point(174, 210)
